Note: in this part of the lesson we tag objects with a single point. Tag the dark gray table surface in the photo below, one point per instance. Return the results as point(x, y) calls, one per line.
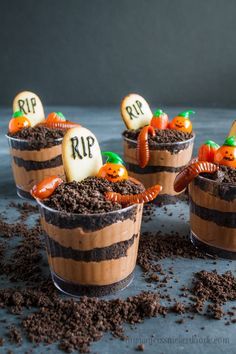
point(160, 335)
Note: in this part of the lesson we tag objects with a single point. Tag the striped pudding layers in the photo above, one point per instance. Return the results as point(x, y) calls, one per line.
point(31, 166)
point(213, 215)
point(96, 260)
point(163, 165)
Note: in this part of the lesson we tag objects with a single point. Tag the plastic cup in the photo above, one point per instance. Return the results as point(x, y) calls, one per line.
point(213, 216)
point(92, 254)
point(166, 161)
point(30, 166)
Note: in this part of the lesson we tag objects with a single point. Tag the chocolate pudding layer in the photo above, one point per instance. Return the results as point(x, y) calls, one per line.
point(170, 152)
point(36, 154)
point(91, 243)
point(213, 212)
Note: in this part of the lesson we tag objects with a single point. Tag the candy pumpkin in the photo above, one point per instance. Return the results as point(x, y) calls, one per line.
point(226, 154)
point(113, 170)
point(159, 120)
point(207, 151)
point(55, 117)
point(18, 122)
point(182, 122)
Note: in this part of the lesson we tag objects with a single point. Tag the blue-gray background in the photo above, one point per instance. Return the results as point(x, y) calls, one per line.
point(75, 52)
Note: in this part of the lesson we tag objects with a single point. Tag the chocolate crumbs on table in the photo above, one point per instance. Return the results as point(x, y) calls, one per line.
point(25, 209)
point(14, 335)
point(23, 263)
point(154, 247)
point(140, 347)
point(68, 317)
point(213, 287)
point(55, 319)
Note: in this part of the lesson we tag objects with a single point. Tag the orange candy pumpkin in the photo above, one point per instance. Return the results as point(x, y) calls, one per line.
point(55, 117)
point(113, 170)
point(159, 120)
point(18, 122)
point(182, 122)
point(207, 151)
point(226, 154)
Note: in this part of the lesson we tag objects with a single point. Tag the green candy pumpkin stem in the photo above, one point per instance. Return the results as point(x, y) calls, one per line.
point(158, 113)
point(186, 114)
point(112, 157)
point(61, 115)
point(212, 144)
point(18, 114)
point(230, 141)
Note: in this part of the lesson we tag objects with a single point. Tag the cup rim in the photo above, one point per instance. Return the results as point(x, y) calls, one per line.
point(216, 183)
point(42, 205)
point(163, 144)
point(25, 140)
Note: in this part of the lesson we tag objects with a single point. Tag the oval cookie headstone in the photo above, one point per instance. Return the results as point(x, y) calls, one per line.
point(31, 106)
point(135, 111)
point(81, 154)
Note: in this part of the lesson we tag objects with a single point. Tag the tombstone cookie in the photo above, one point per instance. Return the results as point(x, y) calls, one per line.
point(30, 105)
point(81, 154)
point(135, 111)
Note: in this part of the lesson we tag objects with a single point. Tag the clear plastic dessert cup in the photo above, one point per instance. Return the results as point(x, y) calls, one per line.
point(30, 166)
point(92, 254)
point(213, 216)
point(166, 161)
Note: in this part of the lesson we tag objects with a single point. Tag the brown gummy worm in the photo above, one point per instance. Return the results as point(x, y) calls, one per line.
point(191, 171)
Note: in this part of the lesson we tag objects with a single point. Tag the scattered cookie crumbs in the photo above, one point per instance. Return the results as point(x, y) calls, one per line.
point(140, 347)
point(180, 321)
point(62, 315)
point(14, 335)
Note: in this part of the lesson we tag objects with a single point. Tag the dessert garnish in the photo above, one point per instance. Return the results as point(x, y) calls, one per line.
point(210, 156)
point(113, 170)
point(82, 158)
point(207, 151)
point(159, 120)
point(30, 105)
point(226, 154)
point(18, 122)
point(182, 122)
point(191, 171)
point(46, 187)
point(144, 197)
point(81, 154)
point(143, 153)
point(62, 125)
point(57, 120)
point(135, 111)
point(30, 113)
point(55, 117)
